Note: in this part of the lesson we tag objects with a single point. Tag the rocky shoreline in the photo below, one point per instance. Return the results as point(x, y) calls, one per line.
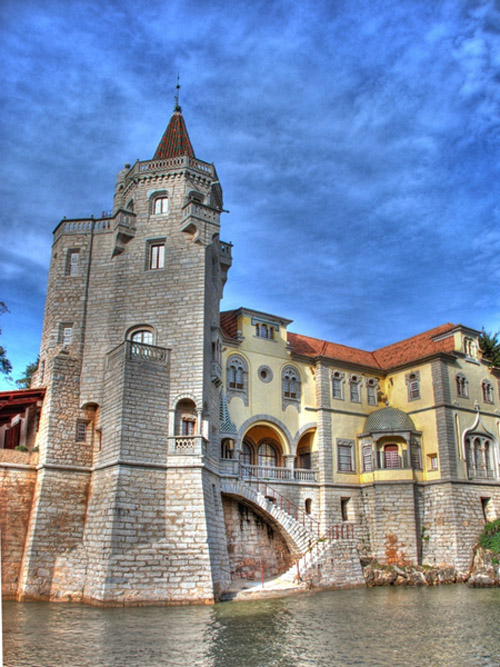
point(483, 573)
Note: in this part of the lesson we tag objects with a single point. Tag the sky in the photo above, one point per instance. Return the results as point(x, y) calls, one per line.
point(357, 143)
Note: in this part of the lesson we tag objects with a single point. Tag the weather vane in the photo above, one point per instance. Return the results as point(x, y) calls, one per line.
point(176, 97)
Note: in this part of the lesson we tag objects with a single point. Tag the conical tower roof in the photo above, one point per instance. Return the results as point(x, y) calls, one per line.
point(175, 140)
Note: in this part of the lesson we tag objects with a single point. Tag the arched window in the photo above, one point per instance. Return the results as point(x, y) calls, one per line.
point(237, 378)
point(290, 387)
point(469, 348)
point(308, 505)
point(291, 383)
point(185, 417)
point(268, 455)
point(462, 385)
point(144, 336)
point(487, 389)
point(263, 330)
point(479, 456)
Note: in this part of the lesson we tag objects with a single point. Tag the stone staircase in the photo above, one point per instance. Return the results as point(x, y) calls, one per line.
point(301, 530)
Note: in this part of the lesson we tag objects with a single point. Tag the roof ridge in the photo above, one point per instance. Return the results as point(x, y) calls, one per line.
point(420, 335)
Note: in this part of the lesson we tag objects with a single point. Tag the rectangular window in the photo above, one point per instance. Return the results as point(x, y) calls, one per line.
point(414, 390)
point(72, 262)
point(344, 456)
point(161, 205)
point(367, 459)
point(344, 508)
point(81, 431)
point(433, 461)
point(371, 394)
point(156, 256)
point(354, 391)
point(187, 427)
point(65, 333)
point(336, 388)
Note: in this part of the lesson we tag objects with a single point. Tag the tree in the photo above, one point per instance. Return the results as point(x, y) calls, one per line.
point(490, 346)
point(5, 365)
point(25, 381)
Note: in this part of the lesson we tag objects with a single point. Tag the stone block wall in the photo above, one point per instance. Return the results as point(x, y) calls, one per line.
point(17, 486)
point(253, 543)
point(391, 521)
point(56, 525)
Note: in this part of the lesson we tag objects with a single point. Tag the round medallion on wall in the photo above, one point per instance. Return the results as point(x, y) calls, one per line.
point(265, 374)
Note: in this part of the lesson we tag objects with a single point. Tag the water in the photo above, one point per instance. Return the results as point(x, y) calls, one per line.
point(447, 625)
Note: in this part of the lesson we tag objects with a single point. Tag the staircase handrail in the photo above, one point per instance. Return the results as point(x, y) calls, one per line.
point(282, 503)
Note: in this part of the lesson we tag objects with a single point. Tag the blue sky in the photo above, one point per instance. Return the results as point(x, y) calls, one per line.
point(357, 143)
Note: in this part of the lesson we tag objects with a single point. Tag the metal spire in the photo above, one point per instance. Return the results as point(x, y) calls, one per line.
point(177, 106)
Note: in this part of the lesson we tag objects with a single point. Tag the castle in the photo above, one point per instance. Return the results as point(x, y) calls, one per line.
point(165, 449)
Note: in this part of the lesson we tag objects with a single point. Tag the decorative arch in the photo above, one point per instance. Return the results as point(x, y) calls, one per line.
point(237, 377)
point(286, 436)
point(310, 426)
point(290, 386)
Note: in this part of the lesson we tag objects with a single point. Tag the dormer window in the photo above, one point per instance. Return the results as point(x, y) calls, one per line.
point(263, 330)
point(161, 205)
point(470, 348)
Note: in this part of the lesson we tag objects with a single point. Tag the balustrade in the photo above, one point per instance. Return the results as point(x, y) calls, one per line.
point(282, 474)
point(187, 445)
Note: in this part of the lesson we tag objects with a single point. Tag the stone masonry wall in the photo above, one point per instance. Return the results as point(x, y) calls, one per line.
point(452, 520)
point(17, 486)
point(253, 543)
point(390, 517)
point(56, 525)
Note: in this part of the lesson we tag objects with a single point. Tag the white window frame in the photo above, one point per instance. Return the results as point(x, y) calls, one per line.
point(160, 205)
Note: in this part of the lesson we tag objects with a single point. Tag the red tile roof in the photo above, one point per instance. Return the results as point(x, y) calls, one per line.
point(401, 353)
point(175, 141)
point(229, 323)
point(416, 347)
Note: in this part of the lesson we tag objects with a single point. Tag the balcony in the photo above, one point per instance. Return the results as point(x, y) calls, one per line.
point(479, 472)
point(187, 445)
point(279, 474)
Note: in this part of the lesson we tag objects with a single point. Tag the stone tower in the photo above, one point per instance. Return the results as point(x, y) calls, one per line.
point(130, 356)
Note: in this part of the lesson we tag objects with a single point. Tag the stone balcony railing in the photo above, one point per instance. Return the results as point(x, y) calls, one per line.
point(480, 472)
point(183, 161)
point(187, 445)
point(15, 456)
point(280, 474)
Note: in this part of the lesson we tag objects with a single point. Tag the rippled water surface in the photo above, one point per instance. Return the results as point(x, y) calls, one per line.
point(450, 625)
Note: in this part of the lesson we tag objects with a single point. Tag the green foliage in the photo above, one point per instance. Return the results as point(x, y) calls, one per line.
point(25, 381)
point(5, 365)
point(21, 448)
point(490, 537)
point(490, 346)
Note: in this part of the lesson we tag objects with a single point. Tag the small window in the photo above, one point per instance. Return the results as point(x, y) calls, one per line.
point(187, 426)
point(469, 348)
point(263, 330)
point(344, 508)
point(338, 385)
point(308, 505)
point(236, 373)
point(161, 205)
point(413, 384)
point(487, 389)
point(462, 386)
point(371, 391)
point(65, 333)
point(354, 389)
point(156, 256)
point(367, 458)
point(433, 461)
point(81, 431)
point(345, 456)
point(72, 263)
